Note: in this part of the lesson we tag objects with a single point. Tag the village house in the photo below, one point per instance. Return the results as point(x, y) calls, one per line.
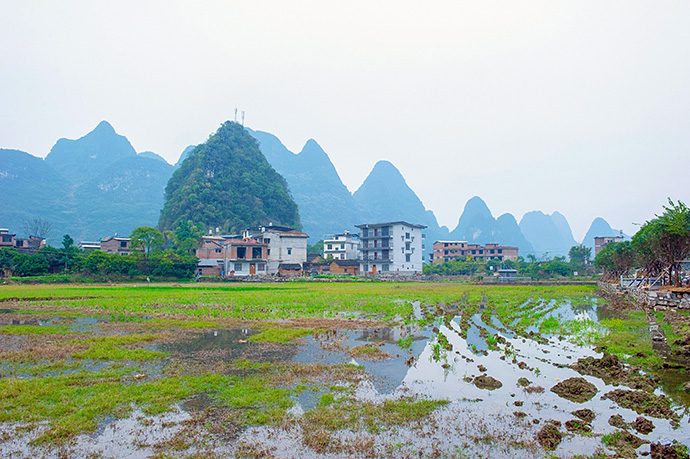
point(6, 239)
point(394, 247)
point(115, 244)
point(348, 267)
point(89, 246)
point(231, 256)
point(454, 250)
point(286, 246)
point(342, 246)
point(602, 241)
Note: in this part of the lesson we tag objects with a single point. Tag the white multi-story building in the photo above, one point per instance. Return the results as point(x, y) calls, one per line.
point(394, 247)
point(342, 246)
point(286, 246)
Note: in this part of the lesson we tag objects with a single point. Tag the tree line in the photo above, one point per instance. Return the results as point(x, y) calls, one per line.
point(163, 255)
point(655, 251)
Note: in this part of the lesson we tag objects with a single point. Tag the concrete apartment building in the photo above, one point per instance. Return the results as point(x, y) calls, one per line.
point(286, 246)
point(231, 256)
point(454, 250)
point(602, 241)
point(342, 246)
point(393, 247)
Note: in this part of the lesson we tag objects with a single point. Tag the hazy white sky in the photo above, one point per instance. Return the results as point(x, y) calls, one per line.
point(581, 107)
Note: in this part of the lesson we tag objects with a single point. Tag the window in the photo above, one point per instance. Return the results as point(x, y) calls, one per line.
point(268, 252)
point(289, 251)
point(500, 250)
point(238, 267)
point(256, 252)
point(241, 253)
point(261, 267)
point(407, 246)
point(342, 246)
point(217, 250)
point(267, 240)
point(407, 257)
point(7, 239)
point(330, 247)
point(407, 235)
point(123, 244)
point(385, 267)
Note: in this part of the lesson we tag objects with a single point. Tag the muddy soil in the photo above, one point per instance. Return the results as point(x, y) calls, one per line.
point(611, 371)
point(549, 437)
point(487, 382)
point(659, 451)
point(575, 389)
point(643, 425)
point(585, 414)
point(656, 406)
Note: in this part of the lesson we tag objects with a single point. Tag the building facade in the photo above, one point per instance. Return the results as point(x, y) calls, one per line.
point(230, 256)
point(393, 247)
point(285, 245)
point(118, 245)
point(342, 246)
point(454, 250)
point(602, 241)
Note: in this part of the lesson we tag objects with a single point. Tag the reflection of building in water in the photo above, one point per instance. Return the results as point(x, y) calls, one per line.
point(391, 334)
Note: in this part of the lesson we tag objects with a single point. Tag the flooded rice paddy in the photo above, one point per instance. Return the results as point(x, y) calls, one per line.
point(448, 381)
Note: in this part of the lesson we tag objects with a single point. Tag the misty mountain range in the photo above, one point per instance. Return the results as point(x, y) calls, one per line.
point(99, 185)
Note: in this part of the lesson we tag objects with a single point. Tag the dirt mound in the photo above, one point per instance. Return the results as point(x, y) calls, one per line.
point(610, 370)
point(624, 443)
point(487, 382)
point(549, 437)
point(577, 390)
point(585, 414)
point(656, 406)
point(642, 425)
point(660, 451)
point(578, 426)
point(617, 421)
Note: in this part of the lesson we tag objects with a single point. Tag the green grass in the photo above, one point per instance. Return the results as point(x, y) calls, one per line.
point(36, 329)
point(111, 348)
point(280, 335)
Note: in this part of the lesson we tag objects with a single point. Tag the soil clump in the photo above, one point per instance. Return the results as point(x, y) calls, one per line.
point(642, 425)
point(578, 426)
point(577, 390)
point(656, 406)
point(617, 421)
point(585, 414)
point(659, 451)
point(611, 371)
point(487, 382)
point(549, 437)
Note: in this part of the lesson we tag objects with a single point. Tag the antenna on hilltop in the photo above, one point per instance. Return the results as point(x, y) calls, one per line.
point(235, 115)
point(242, 118)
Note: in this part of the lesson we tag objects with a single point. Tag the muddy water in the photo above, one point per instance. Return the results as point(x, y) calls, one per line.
point(424, 368)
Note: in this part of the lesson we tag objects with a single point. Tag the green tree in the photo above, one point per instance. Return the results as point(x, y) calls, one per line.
point(147, 238)
point(67, 242)
point(187, 237)
point(616, 259)
point(580, 255)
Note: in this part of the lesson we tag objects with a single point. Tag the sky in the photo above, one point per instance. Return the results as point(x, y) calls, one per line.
point(578, 107)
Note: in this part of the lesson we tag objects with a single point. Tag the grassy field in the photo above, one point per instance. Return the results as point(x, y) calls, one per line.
point(73, 355)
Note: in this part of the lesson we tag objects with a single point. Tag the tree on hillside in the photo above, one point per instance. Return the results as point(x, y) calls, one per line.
point(147, 238)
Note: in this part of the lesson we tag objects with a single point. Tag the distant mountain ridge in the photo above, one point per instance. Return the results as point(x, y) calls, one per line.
point(99, 185)
point(478, 226)
point(91, 187)
point(550, 235)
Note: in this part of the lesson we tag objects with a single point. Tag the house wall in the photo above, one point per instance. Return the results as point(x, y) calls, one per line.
point(454, 250)
point(391, 248)
point(337, 269)
point(121, 246)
